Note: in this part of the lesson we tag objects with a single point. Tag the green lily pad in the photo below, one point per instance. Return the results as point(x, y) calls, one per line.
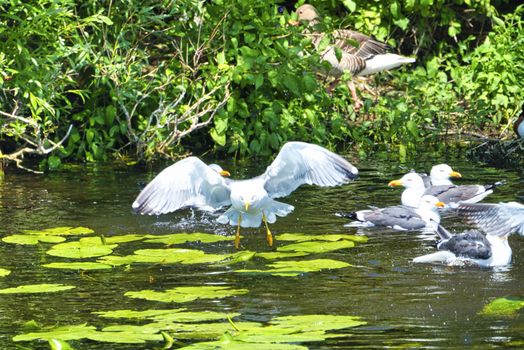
point(36, 288)
point(186, 294)
point(502, 307)
point(205, 331)
point(173, 315)
point(32, 239)
point(316, 246)
point(4, 272)
point(81, 250)
point(57, 344)
point(124, 337)
point(163, 256)
point(78, 266)
point(300, 237)
point(61, 231)
point(74, 332)
point(280, 255)
point(113, 239)
point(240, 345)
point(295, 268)
point(180, 238)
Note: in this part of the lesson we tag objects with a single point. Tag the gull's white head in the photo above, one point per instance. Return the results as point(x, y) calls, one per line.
point(248, 196)
point(410, 180)
point(219, 169)
point(441, 173)
point(428, 202)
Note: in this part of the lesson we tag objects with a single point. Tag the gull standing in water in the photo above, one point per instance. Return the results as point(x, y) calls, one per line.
point(192, 183)
point(469, 248)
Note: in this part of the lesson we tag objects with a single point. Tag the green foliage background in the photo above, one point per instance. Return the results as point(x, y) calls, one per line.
point(147, 79)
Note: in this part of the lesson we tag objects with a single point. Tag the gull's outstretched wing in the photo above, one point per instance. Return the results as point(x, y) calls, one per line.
point(494, 219)
point(300, 163)
point(189, 182)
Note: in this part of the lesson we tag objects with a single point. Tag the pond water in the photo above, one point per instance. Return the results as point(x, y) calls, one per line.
point(403, 305)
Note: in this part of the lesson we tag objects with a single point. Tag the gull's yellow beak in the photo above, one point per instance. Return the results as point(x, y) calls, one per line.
point(224, 173)
point(440, 204)
point(246, 206)
point(455, 174)
point(395, 183)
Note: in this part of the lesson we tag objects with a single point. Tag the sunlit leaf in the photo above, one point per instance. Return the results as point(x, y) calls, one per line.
point(113, 239)
point(173, 315)
point(4, 272)
point(131, 336)
point(78, 266)
point(279, 255)
point(81, 250)
point(316, 246)
point(301, 237)
point(32, 239)
point(164, 256)
point(502, 307)
point(36, 288)
point(295, 268)
point(61, 231)
point(207, 330)
point(186, 294)
point(63, 333)
point(240, 345)
point(179, 238)
point(57, 344)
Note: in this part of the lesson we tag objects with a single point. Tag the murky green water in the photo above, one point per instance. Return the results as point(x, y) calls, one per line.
point(404, 305)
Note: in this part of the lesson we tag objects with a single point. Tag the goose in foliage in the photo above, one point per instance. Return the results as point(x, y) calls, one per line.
point(496, 219)
point(470, 248)
point(192, 183)
point(399, 217)
point(350, 51)
point(447, 192)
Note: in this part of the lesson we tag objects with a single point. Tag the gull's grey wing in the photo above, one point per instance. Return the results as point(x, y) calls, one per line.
point(189, 182)
point(453, 193)
point(397, 216)
point(494, 219)
point(300, 163)
point(470, 244)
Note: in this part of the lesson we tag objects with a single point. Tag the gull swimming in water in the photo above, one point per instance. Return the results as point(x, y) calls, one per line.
point(447, 192)
point(192, 183)
point(470, 248)
point(495, 219)
point(414, 188)
point(399, 217)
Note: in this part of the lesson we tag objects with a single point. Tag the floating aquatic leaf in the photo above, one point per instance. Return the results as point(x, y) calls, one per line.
point(179, 238)
point(300, 237)
point(280, 255)
point(240, 345)
point(295, 268)
point(32, 239)
point(61, 231)
point(238, 257)
point(113, 239)
point(502, 307)
point(56, 344)
point(63, 333)
point(4, 272)
point(173, 315)
point(78, 266)
point(207, 330)
point(36, 288)
point(164, 256)
point(125, 337)
point(186, 294)
point(316, 246)
point(81, 250)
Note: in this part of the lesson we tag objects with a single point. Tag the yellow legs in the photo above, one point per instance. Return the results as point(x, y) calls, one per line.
point(269, 236)
point(237, 237)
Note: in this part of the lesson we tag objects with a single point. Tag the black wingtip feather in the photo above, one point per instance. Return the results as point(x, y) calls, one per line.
point(349, 215)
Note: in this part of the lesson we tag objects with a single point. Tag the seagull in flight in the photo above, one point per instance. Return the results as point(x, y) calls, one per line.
point(192, 183)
